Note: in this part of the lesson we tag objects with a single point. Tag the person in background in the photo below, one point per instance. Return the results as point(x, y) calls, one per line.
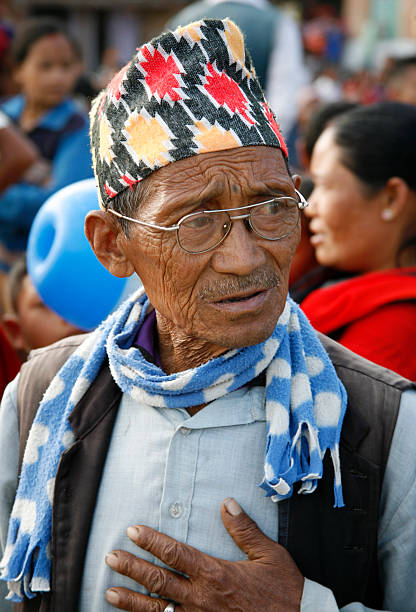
point(27, 320)
point(17, 153)
point(109, 66)
point(209, 385)
point(274, 41)
point(362, 215)
point(319, 120)
point(305, 272)
point(400, 81)
point(46, 68)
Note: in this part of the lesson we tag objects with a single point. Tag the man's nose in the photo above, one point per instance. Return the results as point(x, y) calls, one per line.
point(241, 252)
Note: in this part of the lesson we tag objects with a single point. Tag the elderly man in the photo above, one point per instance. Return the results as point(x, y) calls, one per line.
point(210, 383)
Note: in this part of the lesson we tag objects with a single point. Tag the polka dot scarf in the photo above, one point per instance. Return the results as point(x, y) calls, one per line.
point(304, 402)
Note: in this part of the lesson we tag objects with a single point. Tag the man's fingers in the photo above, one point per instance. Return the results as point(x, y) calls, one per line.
point(125, 599)
point(181, 557)
point(245, 531)
point(155, 579)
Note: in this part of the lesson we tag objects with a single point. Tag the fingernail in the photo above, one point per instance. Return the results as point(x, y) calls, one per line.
point(112, 597)
point(133, 533)
point(111, 559)
point(232, 507)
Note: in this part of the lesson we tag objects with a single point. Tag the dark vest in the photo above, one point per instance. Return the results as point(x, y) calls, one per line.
point(335, 547)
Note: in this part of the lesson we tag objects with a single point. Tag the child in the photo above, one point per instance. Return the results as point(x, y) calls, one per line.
point(28, 322)
point(46, 64)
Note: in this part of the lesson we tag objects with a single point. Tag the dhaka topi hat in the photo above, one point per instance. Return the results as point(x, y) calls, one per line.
point(189, 91)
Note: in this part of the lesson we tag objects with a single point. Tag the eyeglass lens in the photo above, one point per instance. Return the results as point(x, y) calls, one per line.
point(273, 220)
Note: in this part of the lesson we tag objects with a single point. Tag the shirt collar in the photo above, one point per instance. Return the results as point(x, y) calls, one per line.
point(146, 339)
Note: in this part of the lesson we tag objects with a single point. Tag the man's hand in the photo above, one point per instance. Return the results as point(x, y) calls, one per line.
point(268, 581)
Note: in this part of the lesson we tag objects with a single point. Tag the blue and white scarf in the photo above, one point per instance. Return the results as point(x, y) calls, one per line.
point(304, 401)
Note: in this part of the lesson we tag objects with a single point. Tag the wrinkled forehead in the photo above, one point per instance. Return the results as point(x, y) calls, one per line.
point(244, 169)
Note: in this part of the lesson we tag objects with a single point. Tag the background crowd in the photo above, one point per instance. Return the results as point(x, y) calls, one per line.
point(346, 106)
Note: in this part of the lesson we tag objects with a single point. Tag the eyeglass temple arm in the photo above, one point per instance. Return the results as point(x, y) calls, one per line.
point(303, 203)
point(160, 227)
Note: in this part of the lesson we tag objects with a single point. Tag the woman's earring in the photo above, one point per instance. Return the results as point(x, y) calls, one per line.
point(387, 214)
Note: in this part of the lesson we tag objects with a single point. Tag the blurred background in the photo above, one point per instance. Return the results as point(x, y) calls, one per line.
point(350, 39)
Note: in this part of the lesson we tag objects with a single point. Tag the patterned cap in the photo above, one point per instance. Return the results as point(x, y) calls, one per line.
point(190, 91)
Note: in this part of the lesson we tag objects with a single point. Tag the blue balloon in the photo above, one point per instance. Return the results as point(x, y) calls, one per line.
point(61, 264)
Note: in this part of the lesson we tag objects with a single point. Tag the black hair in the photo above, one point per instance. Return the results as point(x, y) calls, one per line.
point(320, 119)
point(400, 67)
point(15, 279)
point(377, 142)
point(128, 202)
point(34, 29)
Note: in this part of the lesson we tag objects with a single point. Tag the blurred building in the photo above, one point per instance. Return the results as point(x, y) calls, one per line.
point(103, 24)
point(392, 18)
point(379, 30)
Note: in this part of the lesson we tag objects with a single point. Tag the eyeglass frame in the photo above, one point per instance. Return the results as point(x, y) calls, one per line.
point(301, 205)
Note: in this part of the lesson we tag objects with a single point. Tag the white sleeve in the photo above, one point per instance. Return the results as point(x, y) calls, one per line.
point(286, 72)
point(9, 456)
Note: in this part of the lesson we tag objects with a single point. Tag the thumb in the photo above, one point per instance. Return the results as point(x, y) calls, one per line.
point(244, 531)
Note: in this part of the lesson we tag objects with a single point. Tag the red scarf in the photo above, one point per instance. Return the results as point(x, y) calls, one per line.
point(373, 314)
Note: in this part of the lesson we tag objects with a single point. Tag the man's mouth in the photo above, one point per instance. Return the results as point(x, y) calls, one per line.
point(242, 304)
point(240, 294)
point(240, 298)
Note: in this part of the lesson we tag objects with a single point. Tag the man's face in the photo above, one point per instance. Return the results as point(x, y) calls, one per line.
point(231, 296)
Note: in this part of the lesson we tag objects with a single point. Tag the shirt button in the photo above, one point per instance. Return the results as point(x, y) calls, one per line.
point(175, 510)
point(185, 431)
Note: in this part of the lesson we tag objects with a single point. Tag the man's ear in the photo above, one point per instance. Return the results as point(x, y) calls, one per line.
point(11, 325)
point(106, 239)
point(297, 181)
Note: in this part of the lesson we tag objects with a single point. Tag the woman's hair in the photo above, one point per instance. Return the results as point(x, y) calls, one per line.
point(321, 118)
point(34, 29)
point(377, 142)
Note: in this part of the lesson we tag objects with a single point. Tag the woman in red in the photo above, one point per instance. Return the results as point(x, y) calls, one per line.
point(362, 215)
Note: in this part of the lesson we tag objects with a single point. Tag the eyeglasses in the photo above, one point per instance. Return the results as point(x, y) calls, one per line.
point(202, 231)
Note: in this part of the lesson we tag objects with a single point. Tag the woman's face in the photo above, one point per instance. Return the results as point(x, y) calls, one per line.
point(48, 73)
point(347, 230)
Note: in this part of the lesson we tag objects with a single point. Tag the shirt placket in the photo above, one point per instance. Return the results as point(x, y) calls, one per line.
point(179, 482)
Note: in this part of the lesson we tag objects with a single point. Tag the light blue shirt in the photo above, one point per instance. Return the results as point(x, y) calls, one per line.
point(171, 471)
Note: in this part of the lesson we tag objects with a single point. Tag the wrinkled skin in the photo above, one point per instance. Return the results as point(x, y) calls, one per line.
point(268, 581)
point(185, 289)
point(194, 325)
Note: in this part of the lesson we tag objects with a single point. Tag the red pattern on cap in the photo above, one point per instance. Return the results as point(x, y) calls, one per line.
point(130, 182)
point(226, 92)
point(160, 76)
point(114, 87)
